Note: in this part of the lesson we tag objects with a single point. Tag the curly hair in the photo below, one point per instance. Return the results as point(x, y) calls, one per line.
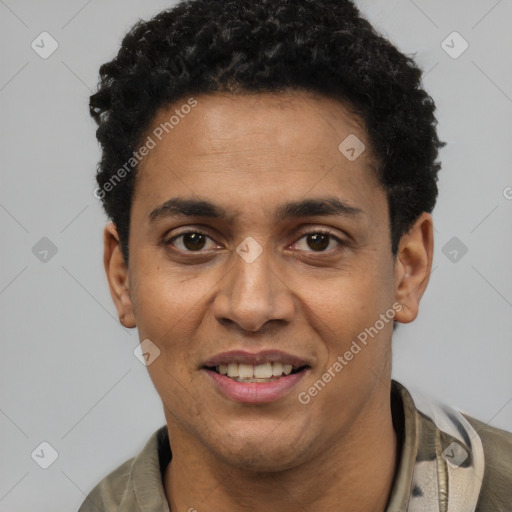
point(323, 46)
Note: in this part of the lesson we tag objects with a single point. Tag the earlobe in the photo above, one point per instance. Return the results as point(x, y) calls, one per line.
point(117, 275)
point(413, 265)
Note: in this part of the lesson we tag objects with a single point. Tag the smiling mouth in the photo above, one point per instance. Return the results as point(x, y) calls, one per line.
point(249, 373)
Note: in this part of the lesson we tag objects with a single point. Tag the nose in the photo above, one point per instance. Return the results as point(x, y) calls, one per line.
point(252, 294)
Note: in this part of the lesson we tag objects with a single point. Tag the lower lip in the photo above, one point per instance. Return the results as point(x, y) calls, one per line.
point(255, 392)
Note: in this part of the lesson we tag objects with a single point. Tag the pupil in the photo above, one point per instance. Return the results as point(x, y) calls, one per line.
point(193, 241)
point(324, 241)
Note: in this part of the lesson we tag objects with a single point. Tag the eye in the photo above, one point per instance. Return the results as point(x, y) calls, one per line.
point(319, 240)
point(196, 241)
point(190, 241)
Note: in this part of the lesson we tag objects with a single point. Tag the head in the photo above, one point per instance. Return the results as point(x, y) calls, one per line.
point(269, 179)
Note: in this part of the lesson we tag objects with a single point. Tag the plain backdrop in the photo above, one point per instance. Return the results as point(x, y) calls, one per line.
point(68, 373)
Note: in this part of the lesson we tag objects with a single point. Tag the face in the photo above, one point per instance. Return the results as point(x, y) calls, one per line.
point(257, 243)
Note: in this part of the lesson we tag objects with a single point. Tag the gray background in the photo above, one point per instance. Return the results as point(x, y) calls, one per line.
point(68, 374)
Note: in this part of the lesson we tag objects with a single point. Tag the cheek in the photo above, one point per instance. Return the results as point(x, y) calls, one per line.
point(169, 314)
point(348, 302)
point(165, 301)
point(355, 341)
point(344, 312)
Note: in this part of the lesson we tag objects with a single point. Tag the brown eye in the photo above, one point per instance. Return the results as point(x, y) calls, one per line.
point(190, 241)
point(194, 241)
point(318, 241)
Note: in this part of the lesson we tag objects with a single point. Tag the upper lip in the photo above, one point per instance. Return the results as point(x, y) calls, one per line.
point(255, 358)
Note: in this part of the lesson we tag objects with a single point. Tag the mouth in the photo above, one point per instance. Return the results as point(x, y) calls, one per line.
point(265, 372)
point(255, 378)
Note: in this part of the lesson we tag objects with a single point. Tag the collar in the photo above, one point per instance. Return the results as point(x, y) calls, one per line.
point(442, 462)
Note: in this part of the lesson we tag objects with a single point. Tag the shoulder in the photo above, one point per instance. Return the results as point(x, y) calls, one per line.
point(496, 492)
point(137, 483)
point(108, 494)
point(462, 460)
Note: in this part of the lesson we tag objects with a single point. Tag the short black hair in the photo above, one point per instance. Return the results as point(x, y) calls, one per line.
point(237, 46)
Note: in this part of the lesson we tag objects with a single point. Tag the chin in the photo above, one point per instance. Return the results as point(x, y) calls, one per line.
point(257, 460)
point(261, 452)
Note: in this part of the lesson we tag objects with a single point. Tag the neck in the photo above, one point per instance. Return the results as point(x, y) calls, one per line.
point(354, 473)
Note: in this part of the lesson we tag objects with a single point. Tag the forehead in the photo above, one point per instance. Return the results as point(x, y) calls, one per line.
point(282, 119)
point(256, 149)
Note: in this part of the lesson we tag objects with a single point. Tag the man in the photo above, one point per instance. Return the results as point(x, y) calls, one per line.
point(270, 168)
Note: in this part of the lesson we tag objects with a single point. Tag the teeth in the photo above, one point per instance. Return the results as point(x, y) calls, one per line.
point(254, 373)
point(232, 370)
point(256, 380)
point(263, 371)
point(277, 369)
point(246, 371)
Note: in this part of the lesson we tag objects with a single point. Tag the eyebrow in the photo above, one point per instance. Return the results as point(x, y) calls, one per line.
point(180, 207)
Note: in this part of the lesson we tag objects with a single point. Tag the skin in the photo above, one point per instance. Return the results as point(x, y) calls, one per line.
point(250, 153)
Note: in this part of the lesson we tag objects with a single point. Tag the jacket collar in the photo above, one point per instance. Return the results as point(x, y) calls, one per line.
point(442, 462)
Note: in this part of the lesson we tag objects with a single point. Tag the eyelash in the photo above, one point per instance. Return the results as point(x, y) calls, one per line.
point(341, 243)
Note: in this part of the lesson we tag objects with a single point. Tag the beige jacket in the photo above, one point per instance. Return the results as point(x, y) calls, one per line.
point(449, 463)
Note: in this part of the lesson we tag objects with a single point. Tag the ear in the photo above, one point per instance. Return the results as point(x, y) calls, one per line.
point(117, 275)
point(413, 265)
